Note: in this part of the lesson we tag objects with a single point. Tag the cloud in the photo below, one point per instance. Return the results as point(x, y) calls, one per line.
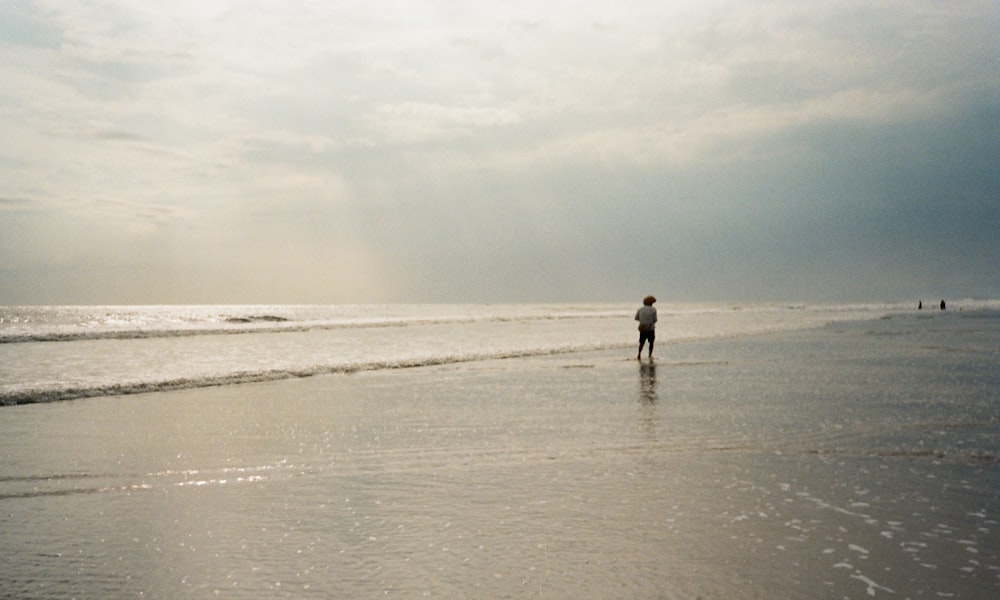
point(14, 203)
point(348, 152)
point(419, 122)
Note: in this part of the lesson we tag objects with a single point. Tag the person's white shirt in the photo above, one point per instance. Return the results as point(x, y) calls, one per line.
point(646, 316)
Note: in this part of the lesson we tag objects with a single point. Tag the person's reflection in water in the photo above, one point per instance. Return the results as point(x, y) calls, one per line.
point(647, 382)
point(647, 400)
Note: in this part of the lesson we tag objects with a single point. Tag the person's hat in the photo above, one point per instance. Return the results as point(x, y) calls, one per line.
point(648, 300)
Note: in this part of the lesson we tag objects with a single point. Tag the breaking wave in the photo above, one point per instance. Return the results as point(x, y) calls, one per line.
point(56, 393)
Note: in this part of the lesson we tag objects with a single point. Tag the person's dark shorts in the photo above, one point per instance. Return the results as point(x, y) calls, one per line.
point(645, 336)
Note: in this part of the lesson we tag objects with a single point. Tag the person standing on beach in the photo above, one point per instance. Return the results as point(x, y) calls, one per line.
point(646, 316)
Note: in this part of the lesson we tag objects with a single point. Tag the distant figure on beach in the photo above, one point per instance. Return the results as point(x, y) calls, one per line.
point(646, 316)
point(942, 305)
point(920, 305)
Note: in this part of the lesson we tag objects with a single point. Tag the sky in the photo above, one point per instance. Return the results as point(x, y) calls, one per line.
point(367, 151)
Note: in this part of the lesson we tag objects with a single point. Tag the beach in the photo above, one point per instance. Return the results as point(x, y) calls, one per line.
point(852, 460)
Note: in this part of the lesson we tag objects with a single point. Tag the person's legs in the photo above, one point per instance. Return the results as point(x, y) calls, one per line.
point(643, 336)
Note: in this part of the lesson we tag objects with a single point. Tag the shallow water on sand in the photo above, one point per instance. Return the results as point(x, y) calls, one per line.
point(855, 461)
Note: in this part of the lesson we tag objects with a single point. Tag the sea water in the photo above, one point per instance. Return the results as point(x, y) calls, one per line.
point(767, 452)
point(66, 352)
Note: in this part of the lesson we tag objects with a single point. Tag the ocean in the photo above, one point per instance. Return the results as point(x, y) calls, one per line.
point(67, 352)
point(768, 451)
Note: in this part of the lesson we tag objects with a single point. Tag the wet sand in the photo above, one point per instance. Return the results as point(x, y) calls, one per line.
point(789, 466)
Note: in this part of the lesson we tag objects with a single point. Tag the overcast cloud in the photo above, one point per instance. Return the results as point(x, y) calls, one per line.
point(212, 151)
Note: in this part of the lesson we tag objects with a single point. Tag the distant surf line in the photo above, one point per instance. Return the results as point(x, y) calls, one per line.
point(239, 326)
